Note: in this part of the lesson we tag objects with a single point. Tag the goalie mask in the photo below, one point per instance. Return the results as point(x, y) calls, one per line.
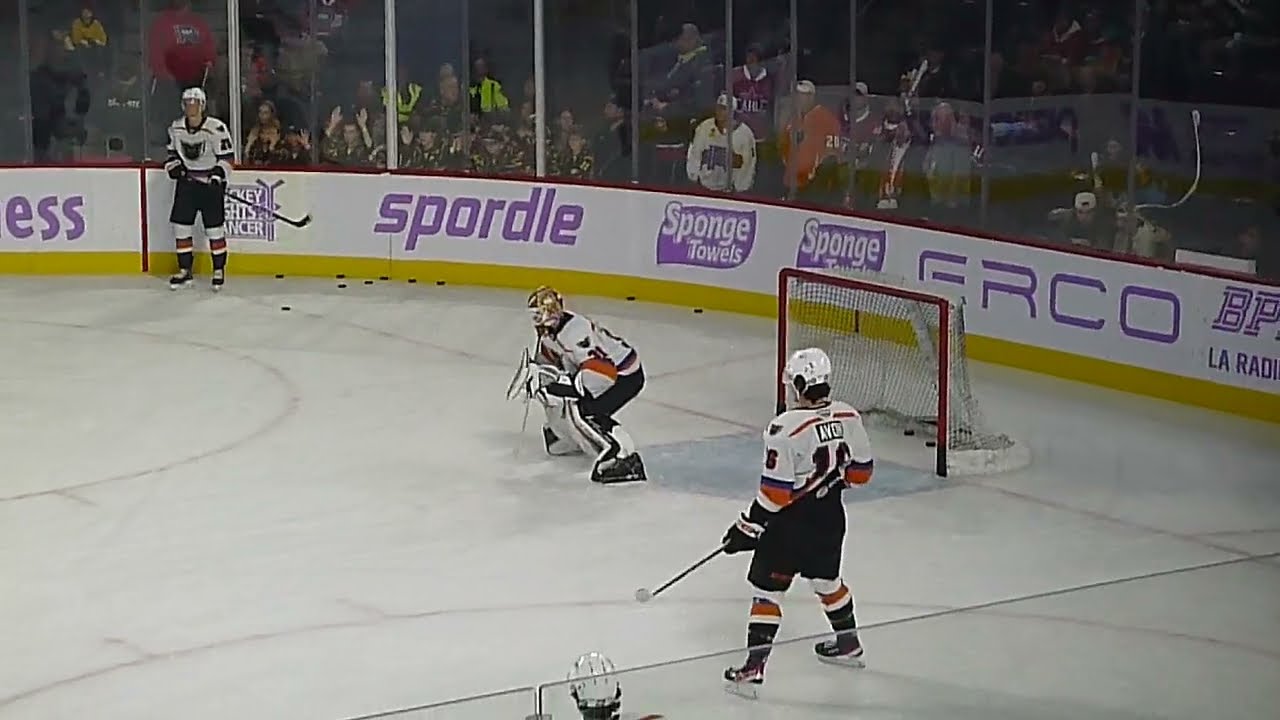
point(804, 370)
point(594, 688)
point(546, 308)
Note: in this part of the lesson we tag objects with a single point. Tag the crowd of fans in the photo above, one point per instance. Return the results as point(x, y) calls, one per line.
point(893, 141)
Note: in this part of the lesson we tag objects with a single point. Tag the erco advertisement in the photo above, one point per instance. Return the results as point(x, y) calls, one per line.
point(1178, 322)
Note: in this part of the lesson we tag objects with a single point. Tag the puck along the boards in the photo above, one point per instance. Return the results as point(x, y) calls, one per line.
point(285, 308)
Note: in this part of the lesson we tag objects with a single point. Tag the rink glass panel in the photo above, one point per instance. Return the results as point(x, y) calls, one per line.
point(14, 127)
point(514, 704)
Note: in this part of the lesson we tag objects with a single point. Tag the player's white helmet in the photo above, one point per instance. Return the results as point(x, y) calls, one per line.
point(806, 368)
point(195, 95)
point(594, 688)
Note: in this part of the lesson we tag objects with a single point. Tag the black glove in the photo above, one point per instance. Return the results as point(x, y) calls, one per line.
point(176, 171)
point(218, 177)
point(741, 536)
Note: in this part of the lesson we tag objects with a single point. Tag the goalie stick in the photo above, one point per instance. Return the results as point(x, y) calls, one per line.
point(644, 595)
point(304, 221)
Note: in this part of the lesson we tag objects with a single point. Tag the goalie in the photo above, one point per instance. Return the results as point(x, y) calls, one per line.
point(584, 375)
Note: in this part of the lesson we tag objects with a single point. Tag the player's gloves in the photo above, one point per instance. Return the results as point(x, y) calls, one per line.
point(218, 177)
point(564, 390)
point(176, 170)
point(741, 536)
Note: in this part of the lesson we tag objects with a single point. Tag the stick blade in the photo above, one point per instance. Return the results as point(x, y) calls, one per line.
point(644, 595)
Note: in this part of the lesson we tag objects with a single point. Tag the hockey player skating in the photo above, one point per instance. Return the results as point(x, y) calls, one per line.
point(200, 155)
point(796, 524)
point(596, 691)
point(587, 374)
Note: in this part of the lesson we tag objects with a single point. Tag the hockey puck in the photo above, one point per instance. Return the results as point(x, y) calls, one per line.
point(368, 282)
point(697, 311)
point(384, 278)
point(342, 285)
point(279, 276)
point(413, 281)
point(931, 443)
point(285, 308)
point(439, 283)
point(909, 432)
point(631, 298)
point(340, 277)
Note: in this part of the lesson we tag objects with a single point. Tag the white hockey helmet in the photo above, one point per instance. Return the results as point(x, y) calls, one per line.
point(594, 688)
point(805, 368)
point(194, 94)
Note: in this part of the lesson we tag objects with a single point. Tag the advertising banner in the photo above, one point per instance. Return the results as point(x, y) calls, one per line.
point(1183, 323)
point(55, 211)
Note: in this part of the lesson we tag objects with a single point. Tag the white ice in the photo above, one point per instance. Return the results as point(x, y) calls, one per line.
point(214, 508)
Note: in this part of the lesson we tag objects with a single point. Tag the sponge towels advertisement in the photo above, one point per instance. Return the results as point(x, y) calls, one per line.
point(1178, 322)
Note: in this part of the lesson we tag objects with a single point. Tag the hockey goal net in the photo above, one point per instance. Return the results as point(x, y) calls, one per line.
point(898, 355)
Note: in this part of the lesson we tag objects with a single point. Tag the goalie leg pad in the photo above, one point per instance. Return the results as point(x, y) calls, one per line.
point(558, 432)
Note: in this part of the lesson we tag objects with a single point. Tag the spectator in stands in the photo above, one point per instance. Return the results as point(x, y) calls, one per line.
point(576, 162)
point(611, 146)
point(409, 93)
point(487, 97)
point(678, 94)
point(263, 146)
point(347, 141)
point(948, 165)
point(448, 107)
point(809, 144)
point(183, 48)
point(89, 40)
point(295, 151)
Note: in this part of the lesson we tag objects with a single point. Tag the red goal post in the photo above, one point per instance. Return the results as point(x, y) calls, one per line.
point(898, 356)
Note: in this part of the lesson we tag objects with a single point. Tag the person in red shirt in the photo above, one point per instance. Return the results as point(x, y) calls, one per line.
point(182, 46)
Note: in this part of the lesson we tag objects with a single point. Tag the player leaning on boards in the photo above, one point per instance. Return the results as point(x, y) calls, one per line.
point(200, 155)
point(588, 375)
point(796, 523)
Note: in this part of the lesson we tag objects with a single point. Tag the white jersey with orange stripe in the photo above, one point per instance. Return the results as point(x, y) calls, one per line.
point(810, 446)
point(594, 356)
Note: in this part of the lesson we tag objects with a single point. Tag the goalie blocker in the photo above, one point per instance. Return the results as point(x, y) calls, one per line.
point(583, 375)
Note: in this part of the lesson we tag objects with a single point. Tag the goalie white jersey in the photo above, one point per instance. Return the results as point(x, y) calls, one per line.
point(810, 446)
point(594, 356)
point(202, 149)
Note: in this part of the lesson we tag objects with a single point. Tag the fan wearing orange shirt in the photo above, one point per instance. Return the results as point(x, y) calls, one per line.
point(812, 145)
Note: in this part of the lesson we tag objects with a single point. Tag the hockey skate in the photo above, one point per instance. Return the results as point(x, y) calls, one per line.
point(845, 650)
point(181, 279)
point(219, 278)
point(745, 681)
point(622, 470)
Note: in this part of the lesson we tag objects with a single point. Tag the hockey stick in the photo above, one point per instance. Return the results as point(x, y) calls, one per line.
point(645, 595)
point(300, 223)
point(1195, 183)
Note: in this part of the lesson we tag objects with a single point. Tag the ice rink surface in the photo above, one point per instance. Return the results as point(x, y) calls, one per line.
point(213, 508)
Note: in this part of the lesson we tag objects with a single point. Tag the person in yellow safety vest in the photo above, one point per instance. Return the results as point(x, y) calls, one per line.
point(408, 93)
point(486, 93)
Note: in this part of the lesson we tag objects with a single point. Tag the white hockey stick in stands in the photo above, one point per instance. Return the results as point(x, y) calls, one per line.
point(1195, 183)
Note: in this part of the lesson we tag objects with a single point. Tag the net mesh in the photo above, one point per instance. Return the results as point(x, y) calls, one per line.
point(884, 351)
